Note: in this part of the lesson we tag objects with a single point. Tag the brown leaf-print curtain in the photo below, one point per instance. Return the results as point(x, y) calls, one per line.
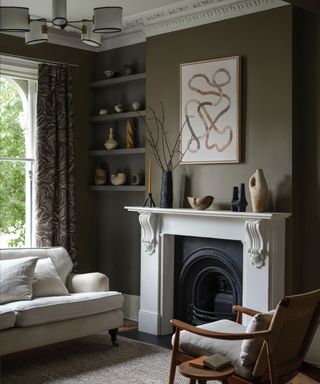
point(55, 171)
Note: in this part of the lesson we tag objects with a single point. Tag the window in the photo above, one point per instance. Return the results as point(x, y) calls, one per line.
point(18, 87)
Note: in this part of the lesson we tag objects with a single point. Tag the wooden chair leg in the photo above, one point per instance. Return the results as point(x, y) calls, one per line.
point(173, 365)
point(113, 333)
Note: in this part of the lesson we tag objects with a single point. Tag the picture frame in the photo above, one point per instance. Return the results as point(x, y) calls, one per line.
point(210, 111)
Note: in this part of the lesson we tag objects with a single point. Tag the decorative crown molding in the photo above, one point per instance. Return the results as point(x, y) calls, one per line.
point(181, 15)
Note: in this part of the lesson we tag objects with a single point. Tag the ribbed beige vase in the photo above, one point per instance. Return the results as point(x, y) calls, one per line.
point(258, 191)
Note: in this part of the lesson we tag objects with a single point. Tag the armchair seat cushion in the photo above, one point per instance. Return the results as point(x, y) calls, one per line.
point(7, 318)
point(195, 345)
point(44, 310)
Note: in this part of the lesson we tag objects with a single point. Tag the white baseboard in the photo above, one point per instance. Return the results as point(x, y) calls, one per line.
point(131, 307)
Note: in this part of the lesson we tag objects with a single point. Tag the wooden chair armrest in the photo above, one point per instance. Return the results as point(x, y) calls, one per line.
point(180, 325)
point(241, 310)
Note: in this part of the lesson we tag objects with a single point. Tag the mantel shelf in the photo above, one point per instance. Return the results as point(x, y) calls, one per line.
point(120, 188)
point(117, 116)
point(117, 80)
point(211, 213)
point(121, 152)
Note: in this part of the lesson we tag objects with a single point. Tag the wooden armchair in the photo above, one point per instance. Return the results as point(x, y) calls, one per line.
point(270, 350)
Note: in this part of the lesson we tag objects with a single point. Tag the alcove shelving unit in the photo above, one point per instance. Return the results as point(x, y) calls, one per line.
point(116, 234)
point(110, 87)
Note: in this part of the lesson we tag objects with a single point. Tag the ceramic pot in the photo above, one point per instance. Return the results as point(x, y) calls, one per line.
point(100, 176)
point(200, 202)
point(166, 195)
point(259, 191)
point(118, 178)
point(109, 73)
point(118, 108)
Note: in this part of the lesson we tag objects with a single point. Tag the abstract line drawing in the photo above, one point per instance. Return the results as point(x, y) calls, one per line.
point(209, 103)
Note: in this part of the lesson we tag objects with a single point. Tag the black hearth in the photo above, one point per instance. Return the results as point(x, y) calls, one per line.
point(208, 279)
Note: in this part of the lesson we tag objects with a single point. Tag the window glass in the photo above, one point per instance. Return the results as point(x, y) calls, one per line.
point(17, 128)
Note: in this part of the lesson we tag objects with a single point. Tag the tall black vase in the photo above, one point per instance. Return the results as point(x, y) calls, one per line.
point(166, 196)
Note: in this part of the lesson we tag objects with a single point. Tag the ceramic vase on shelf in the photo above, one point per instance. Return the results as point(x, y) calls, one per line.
point(235, 199)
point(129, 134)
point(100, 176)
point(111, 143)
point(166, 195)
point(242, 198)
point(258, 191)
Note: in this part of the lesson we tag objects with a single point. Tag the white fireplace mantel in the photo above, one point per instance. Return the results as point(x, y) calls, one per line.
point(263, 239)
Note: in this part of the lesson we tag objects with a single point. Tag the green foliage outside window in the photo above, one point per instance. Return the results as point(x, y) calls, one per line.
point(12, 174)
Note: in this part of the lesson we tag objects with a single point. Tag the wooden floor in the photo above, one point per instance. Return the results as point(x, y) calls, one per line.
point(310, 375)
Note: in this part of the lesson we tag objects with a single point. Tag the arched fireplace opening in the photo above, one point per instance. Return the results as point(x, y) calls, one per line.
point(208, 279)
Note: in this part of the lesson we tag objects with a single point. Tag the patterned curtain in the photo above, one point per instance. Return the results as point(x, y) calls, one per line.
point(55, 170)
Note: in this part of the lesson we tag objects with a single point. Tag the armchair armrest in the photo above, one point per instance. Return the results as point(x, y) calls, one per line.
point(180, 325)
point(87, 282)
point(243, 310)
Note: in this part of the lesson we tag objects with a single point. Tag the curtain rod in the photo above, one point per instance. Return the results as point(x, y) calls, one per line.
point(31, 59)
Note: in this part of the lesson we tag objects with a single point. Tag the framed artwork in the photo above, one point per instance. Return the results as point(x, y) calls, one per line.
point(210, 111)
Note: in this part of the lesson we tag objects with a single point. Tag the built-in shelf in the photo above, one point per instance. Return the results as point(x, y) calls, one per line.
point(119, 188)
point(117, 116)
point(113, 152)
point(117, 80)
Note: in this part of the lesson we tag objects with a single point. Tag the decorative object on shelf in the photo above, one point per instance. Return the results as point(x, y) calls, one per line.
point(200, 202)
point(235, 199)
point(210, 92)
point(166, 194)
point(167, 156)
point(119, 178)
point(111, 143)
point(118, 108)
point(129, 134)
point(103, 111)
point(100, 175)
point(240, 204)
point(259, 191)
point(18, 19)
point(149, 200)
point(136, 105)
point(136, 179)
point(128, 69)
point(109, 73)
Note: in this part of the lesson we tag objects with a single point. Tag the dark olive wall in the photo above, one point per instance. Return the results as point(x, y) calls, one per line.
point(264, 42)
point(81, 100)
point(307, 145)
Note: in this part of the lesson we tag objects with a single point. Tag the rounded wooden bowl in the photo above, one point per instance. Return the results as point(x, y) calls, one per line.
point(200, 202)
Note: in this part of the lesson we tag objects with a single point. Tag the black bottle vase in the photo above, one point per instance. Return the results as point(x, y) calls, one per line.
point(242, 199)
point(235, 199)
point(166, 195)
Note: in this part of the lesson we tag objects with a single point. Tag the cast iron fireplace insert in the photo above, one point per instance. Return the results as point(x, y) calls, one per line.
point(208, 279)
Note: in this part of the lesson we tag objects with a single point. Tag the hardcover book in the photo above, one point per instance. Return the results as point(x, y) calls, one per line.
point(217, 362)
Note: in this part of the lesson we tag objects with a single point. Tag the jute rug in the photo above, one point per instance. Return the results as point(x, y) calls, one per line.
point(90, 360)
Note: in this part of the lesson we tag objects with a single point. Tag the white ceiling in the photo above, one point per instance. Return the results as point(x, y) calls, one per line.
point(80, 9)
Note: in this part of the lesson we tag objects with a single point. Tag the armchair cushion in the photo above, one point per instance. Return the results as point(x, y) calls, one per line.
point(250, 348)
point(195, 345)
point(46, 281)
point(16, 279)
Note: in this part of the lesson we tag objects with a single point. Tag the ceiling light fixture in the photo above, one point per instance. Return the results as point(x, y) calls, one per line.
point(104, 20)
